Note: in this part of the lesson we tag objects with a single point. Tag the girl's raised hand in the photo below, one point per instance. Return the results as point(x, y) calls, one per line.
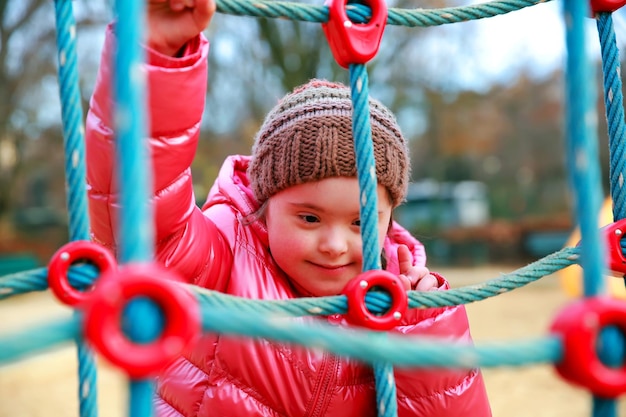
point(414, 277)
point(172, 23)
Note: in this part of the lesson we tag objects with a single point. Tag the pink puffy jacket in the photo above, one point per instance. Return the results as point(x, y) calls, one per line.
point(213, 248)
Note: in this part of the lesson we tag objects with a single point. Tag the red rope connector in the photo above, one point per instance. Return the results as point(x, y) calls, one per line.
point(104, 311)
point(358, 287)
point(613, 234)
point(606, 6)
point(354, 43)
point(579, 325)
point(71, 253)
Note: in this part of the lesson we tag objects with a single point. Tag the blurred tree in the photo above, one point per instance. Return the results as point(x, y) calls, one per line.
point(28, 99)
point(509, 137)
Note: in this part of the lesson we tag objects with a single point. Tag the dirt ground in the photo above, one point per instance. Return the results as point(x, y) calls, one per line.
point(46, 384)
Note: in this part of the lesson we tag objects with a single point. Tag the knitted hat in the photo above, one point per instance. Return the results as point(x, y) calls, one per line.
point(308, 137)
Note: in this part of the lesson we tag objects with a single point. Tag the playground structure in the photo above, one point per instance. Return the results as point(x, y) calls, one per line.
point(354, 34)
point(571, 277)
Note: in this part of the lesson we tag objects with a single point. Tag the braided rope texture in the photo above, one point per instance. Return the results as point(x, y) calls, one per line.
point(360, 13)
point(614, 104)
point(366, 174)
point(75, 174)
point(213, 303)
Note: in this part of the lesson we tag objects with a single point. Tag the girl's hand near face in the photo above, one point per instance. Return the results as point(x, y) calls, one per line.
point(414, 277)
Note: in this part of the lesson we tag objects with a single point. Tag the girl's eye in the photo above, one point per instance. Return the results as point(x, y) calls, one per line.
point(309, 218)
point(357, 223)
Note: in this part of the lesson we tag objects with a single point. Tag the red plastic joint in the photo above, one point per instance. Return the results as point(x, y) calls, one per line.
point(103, 318)
point(579, 325)
point(606, 6)
point(613, 234)
point(354, 43)
point(358, 287)
point(71, 253)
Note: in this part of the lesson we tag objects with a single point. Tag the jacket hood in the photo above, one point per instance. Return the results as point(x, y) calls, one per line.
point(232, 187)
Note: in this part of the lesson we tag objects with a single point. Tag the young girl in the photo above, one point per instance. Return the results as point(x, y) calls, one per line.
point(281, 224)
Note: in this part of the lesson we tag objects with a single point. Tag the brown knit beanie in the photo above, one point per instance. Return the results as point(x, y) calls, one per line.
point(308, 137)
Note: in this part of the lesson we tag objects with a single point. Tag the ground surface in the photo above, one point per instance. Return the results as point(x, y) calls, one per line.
point(45, 385)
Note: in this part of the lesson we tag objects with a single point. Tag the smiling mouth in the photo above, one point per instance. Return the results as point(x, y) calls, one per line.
point(330, 267)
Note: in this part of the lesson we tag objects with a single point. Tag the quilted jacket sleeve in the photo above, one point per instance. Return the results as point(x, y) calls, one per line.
point(450, 392)
point(186, 240)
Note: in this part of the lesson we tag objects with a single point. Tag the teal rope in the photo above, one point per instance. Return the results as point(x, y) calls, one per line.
point(360, 13)
point(142, 392)
point(386, 398)
point(612, 348)
point(496, 286)
point(583, 161)
point(582, 149)
point(378, 302)
point(81, 277)
point(614, 105)
point(369, 347)
point(365, 166)
point(136, 220)
point(72, 115)
point(87, 379)
point(368, 201)
point(37, 339)
point(373, 347)
point(136, 225)
point(75, 173)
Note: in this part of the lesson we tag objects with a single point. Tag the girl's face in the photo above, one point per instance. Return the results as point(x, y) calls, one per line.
point(314, 233)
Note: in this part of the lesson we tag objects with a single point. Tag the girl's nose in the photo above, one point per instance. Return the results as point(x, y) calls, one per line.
point(334, 241)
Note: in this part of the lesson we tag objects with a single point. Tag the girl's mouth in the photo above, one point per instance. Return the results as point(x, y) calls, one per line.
point(331, 269)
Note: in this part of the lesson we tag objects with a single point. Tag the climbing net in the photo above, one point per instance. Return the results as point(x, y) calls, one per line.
point(188, 310)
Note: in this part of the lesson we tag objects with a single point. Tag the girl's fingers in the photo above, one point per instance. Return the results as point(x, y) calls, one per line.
point(405, 260)
point(427, 283)
point(406, 282)
point(203, 9)
point(177, 5)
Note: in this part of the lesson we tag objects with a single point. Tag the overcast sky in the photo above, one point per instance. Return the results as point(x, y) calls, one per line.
point(533, 39)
